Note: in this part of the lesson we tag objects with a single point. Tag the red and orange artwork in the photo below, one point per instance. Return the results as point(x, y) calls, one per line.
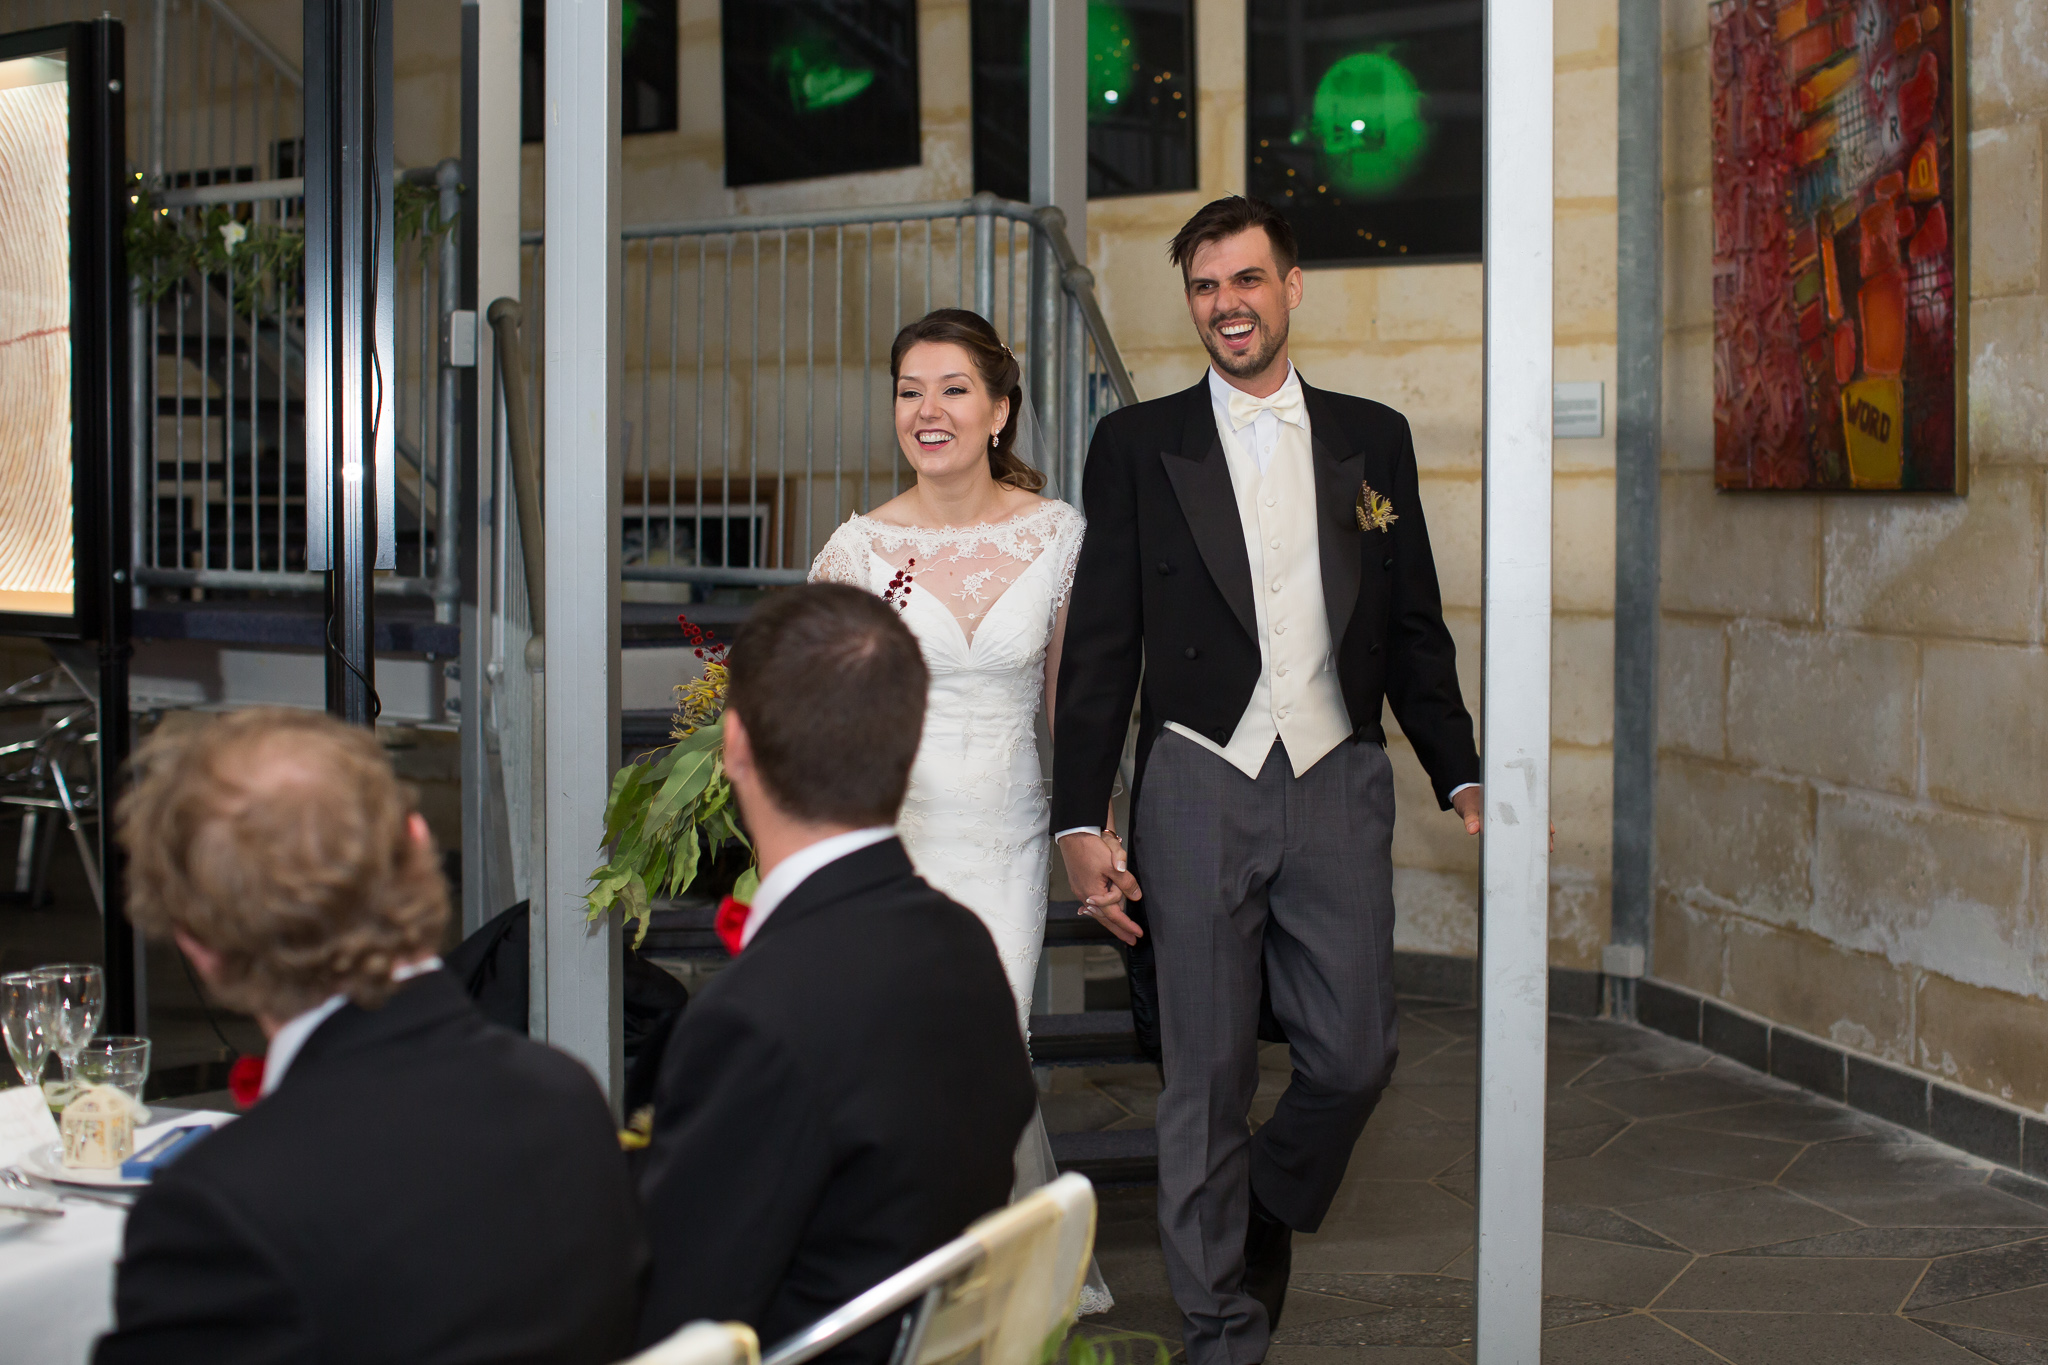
point(1836, 331)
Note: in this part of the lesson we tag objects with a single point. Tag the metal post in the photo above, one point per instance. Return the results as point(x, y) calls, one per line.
point(1073, 416)
point(1059, 112)
point(448, 478)
point(490, 233)
point(984, 255)
point(1514, 937)
point(1044, 344)
point(100, 332)
point(1638, 430)
point(582, 497)
point(350, 359)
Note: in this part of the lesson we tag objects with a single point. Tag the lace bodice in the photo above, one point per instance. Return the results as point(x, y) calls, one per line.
point(967, 568)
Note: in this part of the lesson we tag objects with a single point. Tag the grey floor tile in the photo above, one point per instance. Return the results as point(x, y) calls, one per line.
point(1995, 1270)
point(1605, 1272)
point(1387, 1228)
point(1813, 1285)
point(1631, 1340)
point(1611, 1180)
point(2019, 1187)
point(1689, 1149)
point(1086, 1111)
point(1565, 1144)
point(1605, 1225)
point(1862, 1162)
point(1688, 1092)
point(1894, 1243)
point(1818, 1339)
point(1416, 1152)
point(1666, 1056)
point(1883, 1204)
point(1577, 1109)
point(1459, 1102)
point(2023, 1312)
point(1792, 1120)
point(1999, 1348)
point(1732, 1219)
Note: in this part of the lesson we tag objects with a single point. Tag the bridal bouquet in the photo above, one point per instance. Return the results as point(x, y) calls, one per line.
point(668, 807)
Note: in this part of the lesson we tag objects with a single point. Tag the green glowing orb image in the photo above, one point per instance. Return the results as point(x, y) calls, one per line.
point(1112, 60)
point(818, 74)
point(1367, 121)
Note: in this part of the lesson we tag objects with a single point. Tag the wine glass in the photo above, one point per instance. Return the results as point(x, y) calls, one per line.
point(77, 994)
point(25, 1019)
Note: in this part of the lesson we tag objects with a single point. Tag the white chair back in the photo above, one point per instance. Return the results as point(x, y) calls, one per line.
point(704, 1343)
point(999, 1293)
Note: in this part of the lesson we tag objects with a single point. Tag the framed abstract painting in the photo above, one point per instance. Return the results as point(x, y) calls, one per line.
point(1839, 302)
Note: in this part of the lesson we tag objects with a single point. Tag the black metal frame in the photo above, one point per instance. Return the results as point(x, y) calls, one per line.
point(99, 321)
point(348, 256)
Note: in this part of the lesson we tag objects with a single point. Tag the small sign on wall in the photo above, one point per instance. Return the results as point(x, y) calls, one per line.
point(1578, 411)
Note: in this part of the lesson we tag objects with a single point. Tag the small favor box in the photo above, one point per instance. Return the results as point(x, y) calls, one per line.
point(99, 1128)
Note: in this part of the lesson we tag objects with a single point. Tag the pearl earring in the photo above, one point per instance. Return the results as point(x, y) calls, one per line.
point(993, 440)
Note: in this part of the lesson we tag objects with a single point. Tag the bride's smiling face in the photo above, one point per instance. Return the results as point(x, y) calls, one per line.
point(945, 415)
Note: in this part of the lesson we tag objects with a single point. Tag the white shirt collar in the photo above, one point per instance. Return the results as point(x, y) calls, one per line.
point(1220, 390)
point(793, 871)
point(292, 1035)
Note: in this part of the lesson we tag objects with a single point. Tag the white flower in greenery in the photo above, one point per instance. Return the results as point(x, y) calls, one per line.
point(231, 235)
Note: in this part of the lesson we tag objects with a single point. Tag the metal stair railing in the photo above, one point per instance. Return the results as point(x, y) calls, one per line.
point(756, 412)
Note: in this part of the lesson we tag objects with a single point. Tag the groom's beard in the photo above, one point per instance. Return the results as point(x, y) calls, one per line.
point(1253, 361)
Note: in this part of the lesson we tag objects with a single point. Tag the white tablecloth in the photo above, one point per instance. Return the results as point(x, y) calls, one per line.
point(57, 1284)
point(57, 1274)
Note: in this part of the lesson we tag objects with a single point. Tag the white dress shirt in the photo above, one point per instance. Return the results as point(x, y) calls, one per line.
point(793, 871)
point(293, 1033)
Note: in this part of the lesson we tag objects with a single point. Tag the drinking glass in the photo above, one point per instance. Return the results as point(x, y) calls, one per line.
point(117, 1060)
point(77, 993)
point(25, 1019)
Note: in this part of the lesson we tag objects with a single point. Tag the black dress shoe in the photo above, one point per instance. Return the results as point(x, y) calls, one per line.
point(1268, 1260)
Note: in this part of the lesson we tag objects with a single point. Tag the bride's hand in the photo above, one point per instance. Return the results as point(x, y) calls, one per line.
point(1098, 872)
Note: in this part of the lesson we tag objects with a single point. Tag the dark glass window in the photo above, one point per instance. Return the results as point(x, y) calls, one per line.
point(1364, 125)
point(1141, 97)
point(819, 87)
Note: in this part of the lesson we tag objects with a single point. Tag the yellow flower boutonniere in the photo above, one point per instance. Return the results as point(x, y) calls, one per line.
point(1375, 513)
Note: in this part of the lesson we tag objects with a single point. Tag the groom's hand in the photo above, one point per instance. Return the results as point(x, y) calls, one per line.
point(1468, 804)
point(1101, 883)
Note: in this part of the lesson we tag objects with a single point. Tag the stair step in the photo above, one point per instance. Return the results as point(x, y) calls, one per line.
point(1125, 1156)
point(1096, 1038)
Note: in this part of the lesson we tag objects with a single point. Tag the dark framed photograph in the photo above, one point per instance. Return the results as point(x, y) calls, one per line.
point(1141, 97)
point(819, 87)
point(1365, 126)
point(647, 67)
point(58, 292)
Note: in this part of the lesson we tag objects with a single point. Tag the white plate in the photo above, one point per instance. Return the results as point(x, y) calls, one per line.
point(48, 1164)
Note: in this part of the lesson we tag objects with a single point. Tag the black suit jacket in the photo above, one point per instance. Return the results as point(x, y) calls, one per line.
point(422, 1187)
point(1163, 584)
point(842, 1099)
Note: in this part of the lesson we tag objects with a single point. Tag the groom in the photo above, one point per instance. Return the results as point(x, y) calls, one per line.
point(1256, 552)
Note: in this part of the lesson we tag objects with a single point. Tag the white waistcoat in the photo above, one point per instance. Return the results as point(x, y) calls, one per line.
point(1297, 698)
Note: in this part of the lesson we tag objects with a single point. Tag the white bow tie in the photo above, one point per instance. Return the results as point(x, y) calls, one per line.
point(1285, 405)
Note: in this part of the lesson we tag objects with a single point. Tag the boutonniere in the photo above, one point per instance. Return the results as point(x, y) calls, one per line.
point(1375, 513)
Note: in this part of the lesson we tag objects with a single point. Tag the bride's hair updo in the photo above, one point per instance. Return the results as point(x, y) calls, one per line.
point(1000, 375)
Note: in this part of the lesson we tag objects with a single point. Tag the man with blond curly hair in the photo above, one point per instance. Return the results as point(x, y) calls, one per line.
point(415, 1184)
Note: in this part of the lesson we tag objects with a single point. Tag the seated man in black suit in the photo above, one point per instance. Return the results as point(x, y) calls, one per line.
point(416, 1185)
point(848, 1094)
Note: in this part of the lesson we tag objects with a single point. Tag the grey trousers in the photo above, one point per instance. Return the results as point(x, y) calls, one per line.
point(1297, 873)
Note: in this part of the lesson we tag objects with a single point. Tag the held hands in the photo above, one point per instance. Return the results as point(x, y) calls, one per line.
point(1099, 873)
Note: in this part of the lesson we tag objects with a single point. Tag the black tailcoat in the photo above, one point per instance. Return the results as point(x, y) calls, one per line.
point(1164, 587)
point(842, 1099)
point(423, 1186)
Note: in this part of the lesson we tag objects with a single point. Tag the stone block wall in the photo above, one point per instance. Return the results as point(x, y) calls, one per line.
point(1852, 807)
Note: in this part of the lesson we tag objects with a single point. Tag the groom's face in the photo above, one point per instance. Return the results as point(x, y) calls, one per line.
point(1240, 302)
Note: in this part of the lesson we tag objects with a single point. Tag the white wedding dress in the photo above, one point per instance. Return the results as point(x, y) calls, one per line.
point(982, 602)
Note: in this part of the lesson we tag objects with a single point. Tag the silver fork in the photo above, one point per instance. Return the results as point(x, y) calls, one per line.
point(21, 1181)
point(15, 1180)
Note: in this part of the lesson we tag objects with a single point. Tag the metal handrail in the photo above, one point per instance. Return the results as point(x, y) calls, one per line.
point(505, 315)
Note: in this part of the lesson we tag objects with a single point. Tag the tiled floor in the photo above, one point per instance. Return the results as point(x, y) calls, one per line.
point(1696, 1212)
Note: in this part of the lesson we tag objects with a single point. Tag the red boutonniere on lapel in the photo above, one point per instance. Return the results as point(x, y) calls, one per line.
point(731, 923)
point(245, 1081)
point(1374, 510)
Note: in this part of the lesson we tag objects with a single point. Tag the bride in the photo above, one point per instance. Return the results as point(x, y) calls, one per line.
point(980, 566)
